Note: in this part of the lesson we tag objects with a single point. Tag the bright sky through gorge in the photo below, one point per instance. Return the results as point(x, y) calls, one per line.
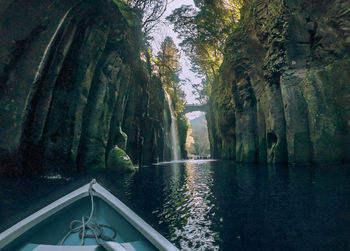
point(160, 34)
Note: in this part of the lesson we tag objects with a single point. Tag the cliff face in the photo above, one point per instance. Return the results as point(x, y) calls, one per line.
point(283, 91)
point(71, 82)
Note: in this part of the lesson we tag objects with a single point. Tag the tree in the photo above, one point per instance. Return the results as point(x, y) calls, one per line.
point(169, 70)
point(168, 63)
point(150, 12)
point(204, 30)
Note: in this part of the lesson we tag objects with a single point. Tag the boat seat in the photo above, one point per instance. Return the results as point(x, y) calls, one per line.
point(66, 248)
point(115, 246)
point(108, 245)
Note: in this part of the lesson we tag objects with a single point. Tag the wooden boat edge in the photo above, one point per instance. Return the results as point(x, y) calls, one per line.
point(144, 228)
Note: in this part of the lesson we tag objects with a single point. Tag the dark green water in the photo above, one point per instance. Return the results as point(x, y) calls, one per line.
point(227, 206)
point(209, 205)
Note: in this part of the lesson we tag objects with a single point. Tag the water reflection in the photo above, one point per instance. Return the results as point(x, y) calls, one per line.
point(203, 205)
point(228, 206)
point(186, 210)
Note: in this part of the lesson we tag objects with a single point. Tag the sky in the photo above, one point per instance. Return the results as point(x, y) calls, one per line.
point(167, 30)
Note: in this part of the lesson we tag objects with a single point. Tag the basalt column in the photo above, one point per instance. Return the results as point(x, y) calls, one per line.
point(282, 92)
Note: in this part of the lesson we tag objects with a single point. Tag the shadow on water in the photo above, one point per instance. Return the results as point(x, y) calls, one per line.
point(221, 205)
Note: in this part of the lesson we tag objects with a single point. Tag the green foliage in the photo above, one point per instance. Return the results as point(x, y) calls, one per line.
point(182, 125)
point(169, 69)
point(200, 137)
point(168, 63)
point(149, 12)
point(204, 30)
point(128, 13)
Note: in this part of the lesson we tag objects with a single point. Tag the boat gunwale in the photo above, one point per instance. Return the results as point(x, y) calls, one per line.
point(159, 241)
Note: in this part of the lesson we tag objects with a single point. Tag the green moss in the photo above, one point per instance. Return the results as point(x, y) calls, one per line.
point(183, 126)
point(119, 162)
point(128, 13)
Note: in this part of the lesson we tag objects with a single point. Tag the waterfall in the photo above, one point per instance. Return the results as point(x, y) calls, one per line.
point(175, 153)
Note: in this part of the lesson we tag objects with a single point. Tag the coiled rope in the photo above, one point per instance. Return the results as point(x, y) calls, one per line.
point(86, 224)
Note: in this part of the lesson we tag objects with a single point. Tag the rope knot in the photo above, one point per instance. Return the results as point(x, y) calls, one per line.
point(88, 224)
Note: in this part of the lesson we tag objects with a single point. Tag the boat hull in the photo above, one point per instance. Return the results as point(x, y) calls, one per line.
point(49, 225)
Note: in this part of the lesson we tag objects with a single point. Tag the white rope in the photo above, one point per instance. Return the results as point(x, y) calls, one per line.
point(84, 226)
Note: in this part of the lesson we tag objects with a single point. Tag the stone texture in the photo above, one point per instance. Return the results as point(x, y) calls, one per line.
point(282, 94)
point(71, 82)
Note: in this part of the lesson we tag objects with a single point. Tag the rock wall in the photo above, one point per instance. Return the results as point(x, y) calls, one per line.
point(71, 81)
point(283, 91)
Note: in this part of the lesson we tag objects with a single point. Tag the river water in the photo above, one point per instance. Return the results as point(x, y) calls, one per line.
point(219, 205)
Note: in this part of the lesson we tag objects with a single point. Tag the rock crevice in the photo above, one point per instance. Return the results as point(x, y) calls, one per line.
point(282, 93)
point(72, 81)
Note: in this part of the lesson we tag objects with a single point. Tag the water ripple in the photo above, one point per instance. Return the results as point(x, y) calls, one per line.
point(186, 210)
point(229, 206)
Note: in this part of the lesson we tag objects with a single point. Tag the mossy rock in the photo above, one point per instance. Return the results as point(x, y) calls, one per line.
point(128, 13)
point(119, 162)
